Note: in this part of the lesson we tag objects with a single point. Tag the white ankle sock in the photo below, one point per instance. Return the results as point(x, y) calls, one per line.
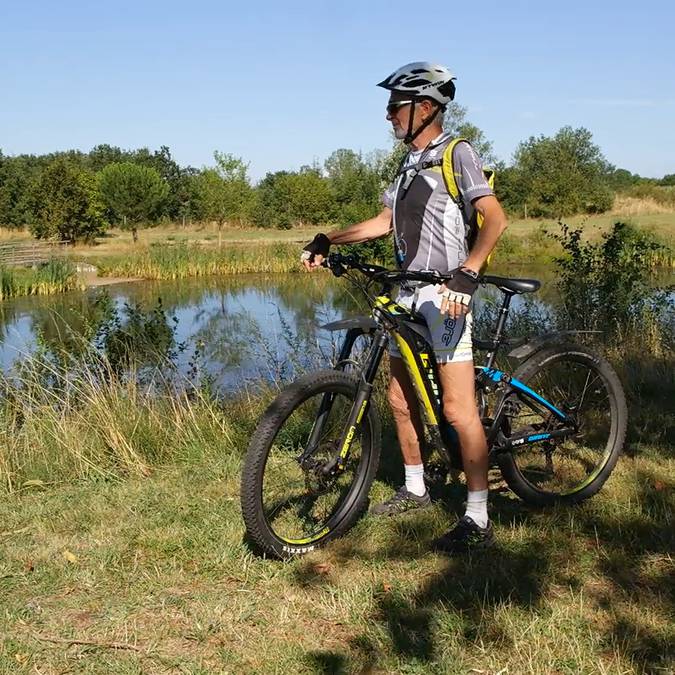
point(414, 479)
point(476, 507)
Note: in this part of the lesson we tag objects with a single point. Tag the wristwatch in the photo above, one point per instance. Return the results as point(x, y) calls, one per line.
point(474, 276)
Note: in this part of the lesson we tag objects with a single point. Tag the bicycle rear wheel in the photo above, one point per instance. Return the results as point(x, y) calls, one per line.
point(288, 505)
point(569, 470)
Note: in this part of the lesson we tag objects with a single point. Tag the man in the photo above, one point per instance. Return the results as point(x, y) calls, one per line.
point(430, 232)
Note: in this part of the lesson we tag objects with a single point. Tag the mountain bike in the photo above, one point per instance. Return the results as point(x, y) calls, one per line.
point(555, 427)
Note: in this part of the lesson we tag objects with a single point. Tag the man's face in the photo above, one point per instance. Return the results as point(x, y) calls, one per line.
point(399, 110)
point(398, 113)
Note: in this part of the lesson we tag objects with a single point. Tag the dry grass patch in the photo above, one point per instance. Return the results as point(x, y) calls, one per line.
point(625, 205)
point(161, 565)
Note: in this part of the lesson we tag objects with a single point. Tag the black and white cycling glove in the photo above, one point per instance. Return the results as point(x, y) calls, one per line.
point(319, 245)
point(461, 287)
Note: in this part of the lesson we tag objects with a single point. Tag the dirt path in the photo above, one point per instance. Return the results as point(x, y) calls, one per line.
point(91, 279)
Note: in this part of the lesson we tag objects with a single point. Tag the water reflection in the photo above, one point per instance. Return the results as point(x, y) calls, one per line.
point(245, 327)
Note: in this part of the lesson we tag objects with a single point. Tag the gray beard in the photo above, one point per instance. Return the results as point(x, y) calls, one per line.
point(400, 133)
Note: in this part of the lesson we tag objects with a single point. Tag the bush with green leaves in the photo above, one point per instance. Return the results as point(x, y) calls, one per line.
point(606, 285)
point(285, 199)
point(67, 203)
point(661, 194)
point(560, 176)
point(356, 185)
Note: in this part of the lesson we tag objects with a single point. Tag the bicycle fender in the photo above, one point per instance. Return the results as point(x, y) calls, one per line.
point(526, 350)
point(365, 323)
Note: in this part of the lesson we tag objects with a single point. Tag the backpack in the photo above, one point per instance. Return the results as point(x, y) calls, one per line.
point(450, 177)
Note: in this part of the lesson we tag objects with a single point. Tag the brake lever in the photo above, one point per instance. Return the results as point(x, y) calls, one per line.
point(333, 263)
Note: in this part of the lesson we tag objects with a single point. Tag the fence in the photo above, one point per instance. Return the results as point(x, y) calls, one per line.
point(28, 254)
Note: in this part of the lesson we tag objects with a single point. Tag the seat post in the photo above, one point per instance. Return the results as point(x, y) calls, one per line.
point(501, 322)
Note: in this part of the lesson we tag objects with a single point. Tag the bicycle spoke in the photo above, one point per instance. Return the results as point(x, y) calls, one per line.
point(299, 500)
point(578, 388)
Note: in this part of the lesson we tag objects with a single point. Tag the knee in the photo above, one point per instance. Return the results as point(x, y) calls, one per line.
point(459, 414)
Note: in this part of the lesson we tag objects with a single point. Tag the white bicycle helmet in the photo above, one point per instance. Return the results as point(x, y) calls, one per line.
point(422, 80)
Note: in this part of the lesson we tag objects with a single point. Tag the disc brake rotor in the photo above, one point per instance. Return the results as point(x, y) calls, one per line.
point(316, 481)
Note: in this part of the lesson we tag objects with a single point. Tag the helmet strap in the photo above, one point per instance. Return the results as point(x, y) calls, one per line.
point(410, 135)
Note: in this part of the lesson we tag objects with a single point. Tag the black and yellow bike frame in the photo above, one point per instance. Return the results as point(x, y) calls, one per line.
point(391, 321)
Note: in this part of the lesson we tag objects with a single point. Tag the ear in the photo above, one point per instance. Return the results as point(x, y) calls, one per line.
point(426, 107)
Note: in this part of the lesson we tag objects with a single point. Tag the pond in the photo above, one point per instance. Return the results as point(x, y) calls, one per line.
point(247, 327)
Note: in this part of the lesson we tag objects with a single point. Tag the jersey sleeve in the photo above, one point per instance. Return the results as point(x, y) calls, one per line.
point(388, 195)
point(469, 171)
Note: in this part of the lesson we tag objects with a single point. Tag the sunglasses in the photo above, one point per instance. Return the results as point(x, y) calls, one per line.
point(392, 108)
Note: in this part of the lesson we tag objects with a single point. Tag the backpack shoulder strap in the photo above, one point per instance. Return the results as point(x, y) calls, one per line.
point(450, 175)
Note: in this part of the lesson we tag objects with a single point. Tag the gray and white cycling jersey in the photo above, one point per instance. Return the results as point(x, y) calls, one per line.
point(429, 228)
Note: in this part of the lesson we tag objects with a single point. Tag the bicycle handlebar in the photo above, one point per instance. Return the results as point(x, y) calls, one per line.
point(338, 264)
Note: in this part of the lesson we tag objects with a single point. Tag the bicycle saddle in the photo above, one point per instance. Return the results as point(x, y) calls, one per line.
point(513, 285)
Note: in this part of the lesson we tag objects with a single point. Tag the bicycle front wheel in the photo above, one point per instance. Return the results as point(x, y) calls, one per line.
point(288, 504)
point(586, 388)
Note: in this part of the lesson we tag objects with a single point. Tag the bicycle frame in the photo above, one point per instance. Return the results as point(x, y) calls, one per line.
point(390, 320)
point(529, 397)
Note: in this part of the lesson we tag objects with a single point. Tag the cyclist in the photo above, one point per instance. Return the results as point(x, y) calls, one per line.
point(430, 232)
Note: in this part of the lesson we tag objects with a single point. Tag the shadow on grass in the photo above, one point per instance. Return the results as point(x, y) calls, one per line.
point(626, 551)
point(637, 563)
point(327, 662)
point(559, 549)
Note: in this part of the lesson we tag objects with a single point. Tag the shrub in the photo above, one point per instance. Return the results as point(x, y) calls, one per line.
point(606, 285)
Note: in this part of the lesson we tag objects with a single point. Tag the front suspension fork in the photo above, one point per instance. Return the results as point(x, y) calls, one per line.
point(360, 406)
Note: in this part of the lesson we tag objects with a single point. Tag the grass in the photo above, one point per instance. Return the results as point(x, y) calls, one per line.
point(122, 550)
point(525, 240)
point(56, 276)
point(181, 260)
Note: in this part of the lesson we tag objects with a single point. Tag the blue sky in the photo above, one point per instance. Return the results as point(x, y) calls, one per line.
point(284, 84)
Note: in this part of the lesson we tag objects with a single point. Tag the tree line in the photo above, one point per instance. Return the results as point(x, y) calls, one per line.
point(75, 195)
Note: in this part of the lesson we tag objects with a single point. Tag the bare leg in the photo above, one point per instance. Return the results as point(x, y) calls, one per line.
point(474, 530)
point(459, 408)
point(405, 409)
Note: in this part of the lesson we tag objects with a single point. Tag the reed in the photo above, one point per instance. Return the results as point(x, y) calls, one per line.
point(55, 276)
point(63, 422)
point(180, 261)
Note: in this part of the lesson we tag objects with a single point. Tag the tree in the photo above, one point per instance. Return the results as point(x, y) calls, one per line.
point(18, 176)
point(169, 171)
point(510, 188)
point(622, 179)
point(356, 186)
point(102, 155)
point(225, 193)
point(285, 198)
point(67, 203)
point(563, 175)
point(134, 194)
point(187, 194)
point(212, 197)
